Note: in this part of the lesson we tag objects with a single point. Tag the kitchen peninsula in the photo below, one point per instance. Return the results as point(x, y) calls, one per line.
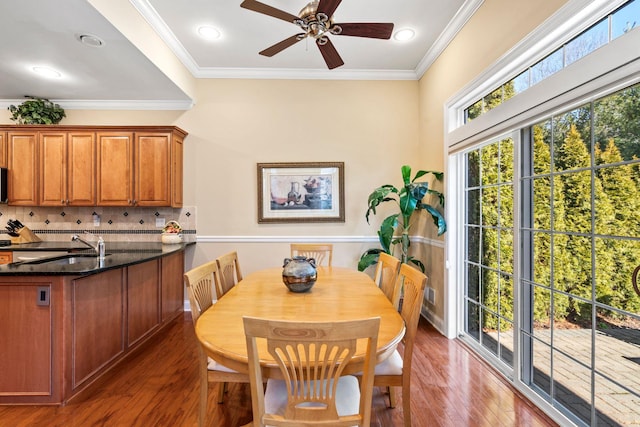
point(68, 318)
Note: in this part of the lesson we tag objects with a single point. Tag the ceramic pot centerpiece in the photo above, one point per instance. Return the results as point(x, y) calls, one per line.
point(299, 273)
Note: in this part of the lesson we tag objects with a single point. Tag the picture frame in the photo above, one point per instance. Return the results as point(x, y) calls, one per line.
point(300, 192)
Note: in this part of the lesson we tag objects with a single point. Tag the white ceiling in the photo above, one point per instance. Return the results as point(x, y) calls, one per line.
point(45, 32)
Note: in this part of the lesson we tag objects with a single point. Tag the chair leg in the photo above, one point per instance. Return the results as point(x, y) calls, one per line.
point(392, 397)
point(221, 390)
point(204, 388)
point(406, 402)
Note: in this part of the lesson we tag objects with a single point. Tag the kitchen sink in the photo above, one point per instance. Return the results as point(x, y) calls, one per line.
point(66, 259)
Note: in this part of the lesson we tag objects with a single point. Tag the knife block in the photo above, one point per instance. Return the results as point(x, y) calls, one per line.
point(26, 236)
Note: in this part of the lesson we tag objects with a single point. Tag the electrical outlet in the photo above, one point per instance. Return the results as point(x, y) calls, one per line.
point(431, 295)
point(96, 220)
point(160, 222)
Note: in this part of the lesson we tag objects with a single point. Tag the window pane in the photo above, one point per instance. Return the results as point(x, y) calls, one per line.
point(473, 244)
point(541, 204)
point(506, 250)
point(572, 139)
point(572, 202)
point(506, 298)
point(542, 313)
point(521, 82)
point(572, 386)
point(546, 67)
point(542, 258)
point(473, 111)
point(473, 168)
point(617, 135)
point(506, 160)
point(616, 261)
point(625, 19)
point(473, 207)
point(489, 291)
point(541, 147)
point(587, 42)
point(490, 247)
point(572, 269)
point(493, 99)
point(490, 206)
point(473, 282)
point(490, 162)
point(542, 366)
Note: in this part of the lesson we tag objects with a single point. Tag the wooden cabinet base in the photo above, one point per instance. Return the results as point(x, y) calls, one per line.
point(61, 334)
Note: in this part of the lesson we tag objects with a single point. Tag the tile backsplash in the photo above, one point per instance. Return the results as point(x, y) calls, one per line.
point(117, 224)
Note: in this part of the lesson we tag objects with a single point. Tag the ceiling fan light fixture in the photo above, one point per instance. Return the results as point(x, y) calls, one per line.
point(208, 32)
point(46, 72)
point(404, 34)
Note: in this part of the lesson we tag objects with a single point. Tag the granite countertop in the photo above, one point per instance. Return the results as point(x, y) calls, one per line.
point(80, 259)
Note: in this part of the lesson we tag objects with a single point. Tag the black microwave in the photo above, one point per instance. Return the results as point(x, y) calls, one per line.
point(3, 185)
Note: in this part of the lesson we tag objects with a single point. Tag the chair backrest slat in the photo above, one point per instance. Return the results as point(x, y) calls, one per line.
point(321, 252)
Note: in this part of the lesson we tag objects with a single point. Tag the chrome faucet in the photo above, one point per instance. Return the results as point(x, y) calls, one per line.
point(97, 248)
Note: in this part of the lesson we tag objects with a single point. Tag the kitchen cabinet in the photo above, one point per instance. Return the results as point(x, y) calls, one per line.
point(3, 149)
point(94, 165)
point(115, 169)
point(140, 168)
point(27, 345)
point(61, 333)
point(171, 276)
point(143, 299)
point(23, 168)
point(67, 169)
point(98, 311)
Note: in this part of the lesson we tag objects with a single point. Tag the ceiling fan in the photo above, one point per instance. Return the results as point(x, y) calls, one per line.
point(316, 21)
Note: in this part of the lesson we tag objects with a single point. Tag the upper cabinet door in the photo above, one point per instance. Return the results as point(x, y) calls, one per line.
point(115, 168)
point(23, 168)
point(53, 168)
point(176, 173)
point(81, 169)
point(3, 149)
point(152, 169)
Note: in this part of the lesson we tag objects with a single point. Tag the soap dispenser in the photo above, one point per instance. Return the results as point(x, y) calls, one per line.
point(101, 249)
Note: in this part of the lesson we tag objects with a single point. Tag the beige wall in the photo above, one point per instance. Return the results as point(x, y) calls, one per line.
point(494, 29)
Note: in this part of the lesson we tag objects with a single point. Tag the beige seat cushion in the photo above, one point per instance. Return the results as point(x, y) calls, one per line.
point(391, 366)
point(347, 396)
point(212, 365)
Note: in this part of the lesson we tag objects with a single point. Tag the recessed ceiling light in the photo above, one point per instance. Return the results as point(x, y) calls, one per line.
point(404, 34)
point(47, 72)
point(209, 33)
point(90, 40)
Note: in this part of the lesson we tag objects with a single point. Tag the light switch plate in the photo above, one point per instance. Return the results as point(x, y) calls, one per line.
point(160, 222)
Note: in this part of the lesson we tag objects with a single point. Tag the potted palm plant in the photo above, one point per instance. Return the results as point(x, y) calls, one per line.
point(409, 198)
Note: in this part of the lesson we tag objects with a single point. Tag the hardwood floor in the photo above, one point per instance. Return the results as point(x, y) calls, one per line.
point(159, 387)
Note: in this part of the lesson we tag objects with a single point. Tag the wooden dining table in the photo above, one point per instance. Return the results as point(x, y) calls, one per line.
point(338, 294)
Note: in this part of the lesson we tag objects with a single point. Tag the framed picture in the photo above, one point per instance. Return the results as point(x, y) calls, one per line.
point(300, 192)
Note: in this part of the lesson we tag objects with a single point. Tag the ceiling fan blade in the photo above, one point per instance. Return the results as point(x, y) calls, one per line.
point(372, 30)
point(330, 54)
point(328, 7)
point(256, 6)
point(280, 46)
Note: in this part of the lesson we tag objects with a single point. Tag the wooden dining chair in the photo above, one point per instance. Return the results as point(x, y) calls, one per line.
point(230, 272)
point(312, 357)
point(396, 370)
point(321, 252)
point(200, 283)
point(385, 276)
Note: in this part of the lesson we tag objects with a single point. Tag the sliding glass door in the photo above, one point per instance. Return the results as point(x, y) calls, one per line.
point(577, 252)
